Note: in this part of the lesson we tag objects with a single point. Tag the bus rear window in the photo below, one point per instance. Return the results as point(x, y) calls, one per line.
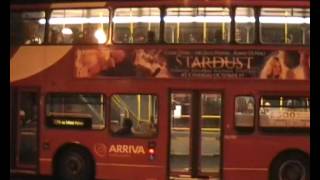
point(284, 112)
point(134, 115)
point(285, 25)
point(75, 110)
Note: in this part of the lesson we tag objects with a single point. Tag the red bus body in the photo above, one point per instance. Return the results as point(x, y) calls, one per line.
point(244, 155)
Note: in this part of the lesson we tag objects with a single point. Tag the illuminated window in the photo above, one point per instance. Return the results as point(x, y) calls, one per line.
point(244, 111)
point(197, 25)
point(73, 26)
point(73, 110)
point(134, 115)
point(284, 112)
point(245, 23)
point(136, 25)
point(285, 25)
point(26, 29)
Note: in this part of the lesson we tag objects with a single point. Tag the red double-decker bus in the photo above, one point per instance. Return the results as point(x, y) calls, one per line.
point(154, 90)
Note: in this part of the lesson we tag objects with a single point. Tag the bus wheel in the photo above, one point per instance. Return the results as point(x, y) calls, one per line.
point(74, 164)
point(293, 167)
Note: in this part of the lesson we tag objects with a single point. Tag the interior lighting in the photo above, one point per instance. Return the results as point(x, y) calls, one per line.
point(284, 20)
point(136, 19)
point(75, 20)
point(188, 19)
point(100, 36)
point(66, 31)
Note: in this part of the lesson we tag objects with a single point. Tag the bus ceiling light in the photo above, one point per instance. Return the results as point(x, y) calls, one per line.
point(100, 36)
point(188, 19)
point(284, 20)
point(76, 20)
point(66, 31)
point(245, 19)
point(137, 19)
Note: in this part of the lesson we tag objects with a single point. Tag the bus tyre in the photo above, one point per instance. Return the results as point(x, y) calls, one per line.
point(291, 167)
point(74, 164)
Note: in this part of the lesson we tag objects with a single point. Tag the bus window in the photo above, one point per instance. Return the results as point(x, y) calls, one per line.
point(76, 106)
point(244, 112)
point(27, 28)
point(245, 25)
point(134, 115)
point(197, 25)
point(135, 25)
point(284, 112)
point(74, 26)
point(285, 25)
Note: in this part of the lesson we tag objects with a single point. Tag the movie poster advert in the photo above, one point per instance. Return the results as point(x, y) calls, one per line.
point(190, 64)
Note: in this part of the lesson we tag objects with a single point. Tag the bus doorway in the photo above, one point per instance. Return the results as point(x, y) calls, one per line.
point(25, 119)
point(195, 131)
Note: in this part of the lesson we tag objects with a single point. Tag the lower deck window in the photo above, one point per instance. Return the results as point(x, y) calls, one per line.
point(75, 110)
point(284, 112)
point(134, 115)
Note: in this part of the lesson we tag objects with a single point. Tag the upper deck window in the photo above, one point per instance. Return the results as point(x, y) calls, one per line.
point(197, 25)
point(285, 25)
point(73, 26)
point(245, 25)
point(136, 25)
point(26, 29)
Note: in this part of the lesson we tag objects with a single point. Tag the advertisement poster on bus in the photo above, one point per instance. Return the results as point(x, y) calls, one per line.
point(190, 64)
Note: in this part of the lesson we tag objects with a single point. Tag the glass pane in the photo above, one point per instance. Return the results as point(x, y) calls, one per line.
point(284, 112)
point(77, 105)
point(244, 111)
point(245, 24)
point(180, 131)
point(210, 132)
point(197, 25)
point(134, 115)
point(28, 117)
point(285, 25)
point(75, 26)
point(136, 25)
point(27, 28)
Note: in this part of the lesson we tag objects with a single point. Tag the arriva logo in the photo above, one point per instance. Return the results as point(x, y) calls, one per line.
point(127, 149)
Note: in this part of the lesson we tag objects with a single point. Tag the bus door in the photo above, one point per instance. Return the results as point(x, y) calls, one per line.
point(195, 130)
point(25, 122)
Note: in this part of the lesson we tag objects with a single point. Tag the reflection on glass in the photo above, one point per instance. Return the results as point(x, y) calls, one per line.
point(210, 132)
point(180, 131)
